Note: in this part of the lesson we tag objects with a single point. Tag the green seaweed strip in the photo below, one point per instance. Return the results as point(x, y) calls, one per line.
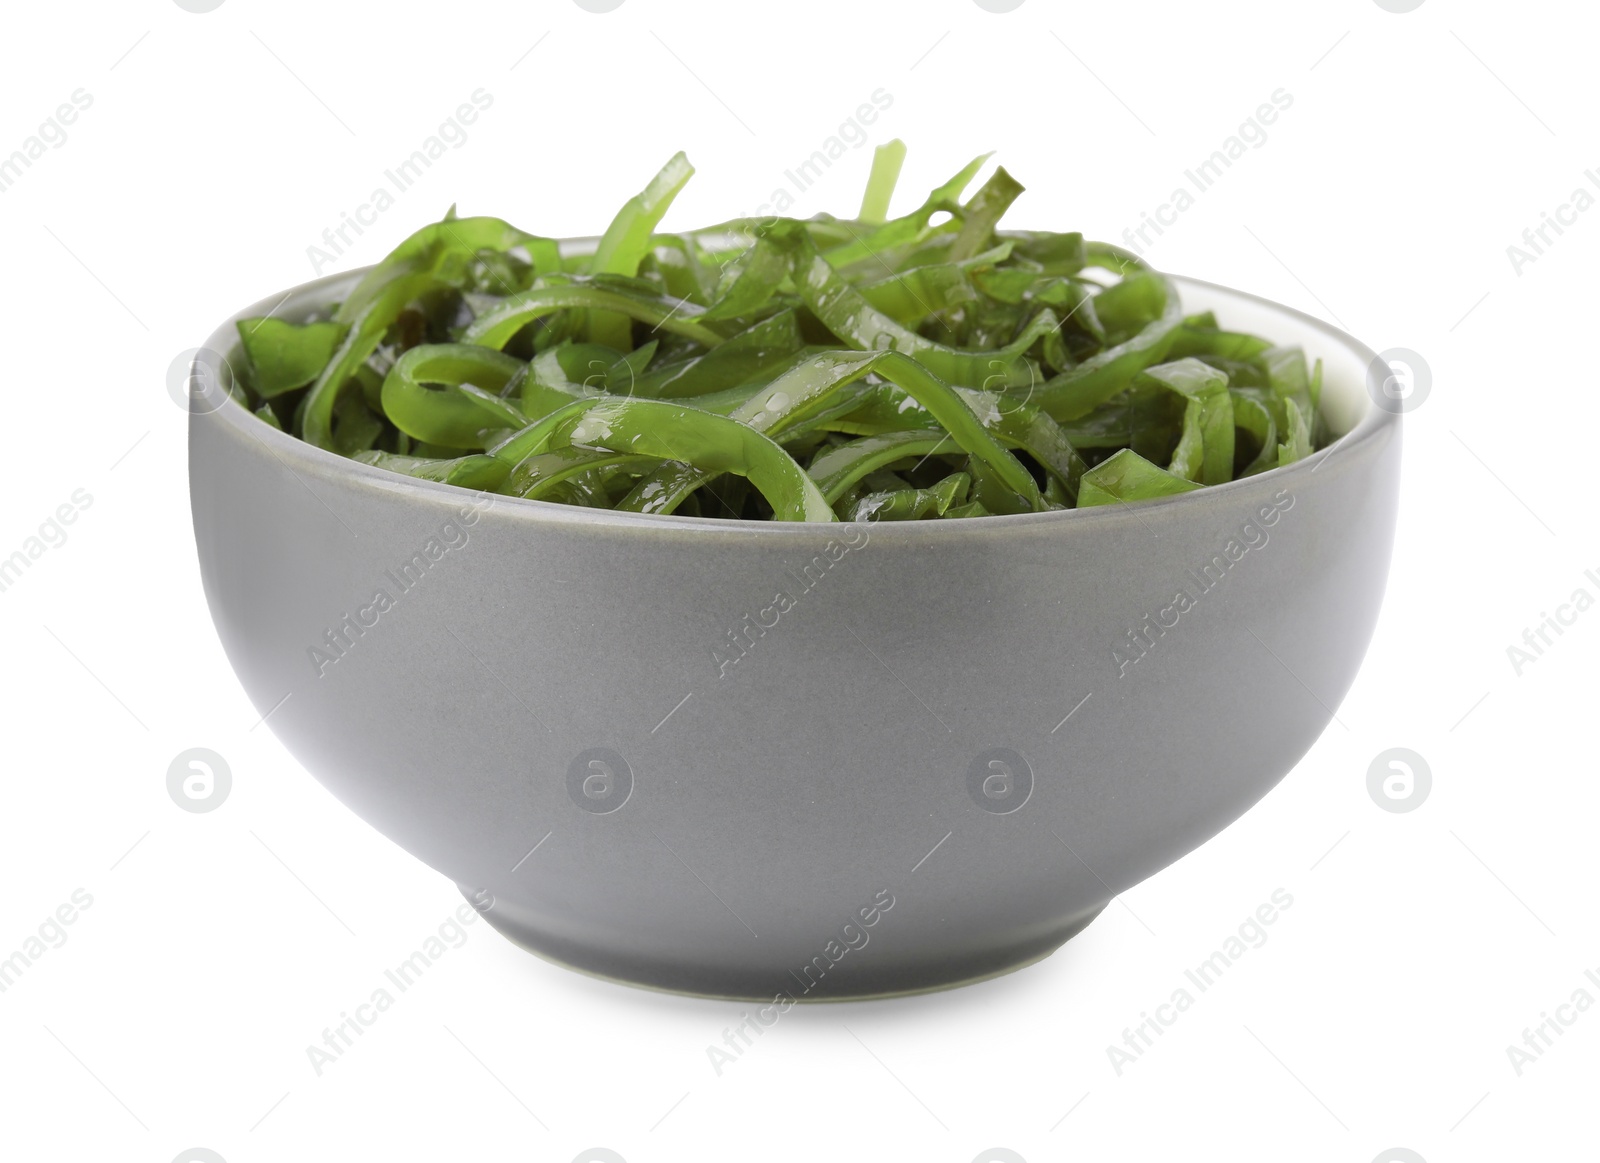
point(934, 366)
point(452, 416)
point(496, 327)
point(983, 213)
point(437, 255)
point(1205, 450)
point(1076, 393)
point(284, 356)
point(886, 162)
point(1127, 476)
point(627, 240)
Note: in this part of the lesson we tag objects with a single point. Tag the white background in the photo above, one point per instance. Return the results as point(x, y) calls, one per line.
point(1419, 946)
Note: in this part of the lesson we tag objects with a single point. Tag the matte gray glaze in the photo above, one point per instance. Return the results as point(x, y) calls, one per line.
point(937, 728)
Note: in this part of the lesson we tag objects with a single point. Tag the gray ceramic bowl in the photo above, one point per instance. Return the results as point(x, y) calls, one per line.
point(945, 747)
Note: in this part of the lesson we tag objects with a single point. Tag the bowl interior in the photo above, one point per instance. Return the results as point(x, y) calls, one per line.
point(1344, 404)
point(1344, 366)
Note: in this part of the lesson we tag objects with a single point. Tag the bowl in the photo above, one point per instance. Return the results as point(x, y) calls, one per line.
point(783, 760)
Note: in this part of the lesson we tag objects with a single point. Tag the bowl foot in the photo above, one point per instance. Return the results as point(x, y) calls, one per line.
point(862, 979)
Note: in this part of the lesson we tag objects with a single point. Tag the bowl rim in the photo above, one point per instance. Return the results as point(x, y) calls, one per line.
point(299, 455)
